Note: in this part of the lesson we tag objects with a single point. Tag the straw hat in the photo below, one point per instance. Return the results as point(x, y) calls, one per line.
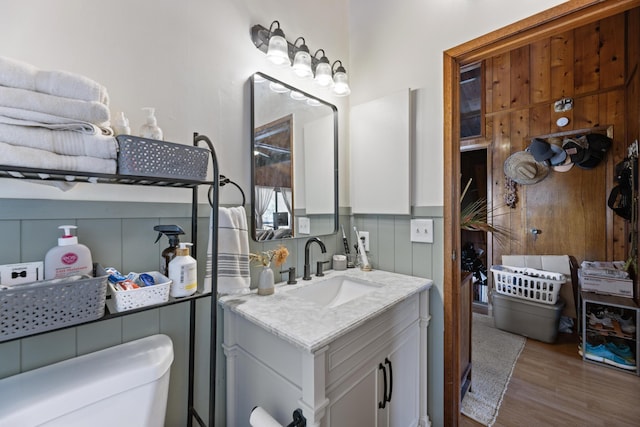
point(523, 168)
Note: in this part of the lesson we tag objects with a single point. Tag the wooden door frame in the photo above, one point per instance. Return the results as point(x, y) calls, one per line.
point(564, 17)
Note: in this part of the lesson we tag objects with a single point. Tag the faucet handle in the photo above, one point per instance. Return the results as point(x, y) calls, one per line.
point(291, 275)
point(319, 272)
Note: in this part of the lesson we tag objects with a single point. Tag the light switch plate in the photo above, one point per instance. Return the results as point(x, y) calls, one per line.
point(422, 230)
point(304, 225)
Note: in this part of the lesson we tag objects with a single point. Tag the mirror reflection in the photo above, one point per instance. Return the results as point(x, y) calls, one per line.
point(294, 162)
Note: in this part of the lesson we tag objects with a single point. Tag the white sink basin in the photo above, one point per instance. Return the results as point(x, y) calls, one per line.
point(335, 291)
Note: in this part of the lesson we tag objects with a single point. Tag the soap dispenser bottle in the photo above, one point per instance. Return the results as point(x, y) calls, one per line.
point(121, 125)
point(69, 258)
point(150, 129)
point(183, 271)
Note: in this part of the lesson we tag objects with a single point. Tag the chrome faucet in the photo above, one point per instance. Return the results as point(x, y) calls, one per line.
point(307, 267)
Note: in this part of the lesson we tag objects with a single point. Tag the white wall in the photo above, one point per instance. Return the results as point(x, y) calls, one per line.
point(396, 45)
point(190, 59)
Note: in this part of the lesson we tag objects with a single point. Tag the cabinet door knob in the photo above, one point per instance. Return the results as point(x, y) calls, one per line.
point(383, 404)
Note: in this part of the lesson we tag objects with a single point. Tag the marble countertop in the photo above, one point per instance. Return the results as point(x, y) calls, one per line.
point(310, 326)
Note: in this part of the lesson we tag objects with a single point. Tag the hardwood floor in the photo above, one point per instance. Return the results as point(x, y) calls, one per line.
point(552, 386)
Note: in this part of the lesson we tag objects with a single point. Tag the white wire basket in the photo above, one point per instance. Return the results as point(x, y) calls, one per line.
point(141, 297)
point(528, 283)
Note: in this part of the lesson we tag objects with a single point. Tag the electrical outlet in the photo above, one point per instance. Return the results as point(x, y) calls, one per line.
point(364, 236)
point(422, 230)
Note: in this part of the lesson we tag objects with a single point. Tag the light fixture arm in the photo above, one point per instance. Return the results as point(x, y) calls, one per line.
point(340, 68)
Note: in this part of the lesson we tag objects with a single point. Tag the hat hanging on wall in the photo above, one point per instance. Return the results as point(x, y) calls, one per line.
point(523, 168)
point(549, 154)
point(587, 151)
point(567, 163)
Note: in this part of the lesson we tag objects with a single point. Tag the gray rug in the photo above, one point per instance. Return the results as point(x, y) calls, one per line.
point(494, 356)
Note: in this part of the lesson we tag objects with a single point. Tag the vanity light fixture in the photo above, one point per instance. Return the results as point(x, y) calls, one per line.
point(278, 50)
point(340, 80)
point(302, 60)
point(323, 69)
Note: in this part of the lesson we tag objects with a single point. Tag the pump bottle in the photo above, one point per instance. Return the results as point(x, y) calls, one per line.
point(69, 258)
point(172, 232)
point(150, 129)
point(183, 271)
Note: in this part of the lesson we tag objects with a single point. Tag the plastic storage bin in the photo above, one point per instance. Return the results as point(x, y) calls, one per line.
point(537, 285)
point(150, 157)
point(36, 307)
point(531, 319)
point(141, 297)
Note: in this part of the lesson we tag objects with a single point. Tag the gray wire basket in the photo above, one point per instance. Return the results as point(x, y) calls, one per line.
point(149, 157)
point(37, 307)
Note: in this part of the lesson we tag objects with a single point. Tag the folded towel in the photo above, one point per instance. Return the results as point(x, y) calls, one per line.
point(18, 74)
point(13, 155)
point(64, 142)
point(68, 143)
point(233, 252)
point(74, 109)
point(18, 117)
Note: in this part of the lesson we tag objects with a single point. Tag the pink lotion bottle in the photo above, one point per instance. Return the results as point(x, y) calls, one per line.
point(69, 258)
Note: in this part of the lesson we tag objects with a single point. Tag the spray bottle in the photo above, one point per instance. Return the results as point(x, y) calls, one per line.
point(183, 272)
point(172, 232)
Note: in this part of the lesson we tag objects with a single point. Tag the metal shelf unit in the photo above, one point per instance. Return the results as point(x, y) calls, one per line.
point(7, 171)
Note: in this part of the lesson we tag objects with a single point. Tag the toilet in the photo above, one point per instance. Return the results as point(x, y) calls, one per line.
point(125, 385)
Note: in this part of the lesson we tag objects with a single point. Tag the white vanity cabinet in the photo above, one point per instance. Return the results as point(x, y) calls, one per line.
point(373, 374)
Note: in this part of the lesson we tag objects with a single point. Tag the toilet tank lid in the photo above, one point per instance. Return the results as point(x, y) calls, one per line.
point(35, 396)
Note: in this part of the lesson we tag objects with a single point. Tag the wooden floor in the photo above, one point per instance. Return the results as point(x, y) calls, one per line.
point(552, 386)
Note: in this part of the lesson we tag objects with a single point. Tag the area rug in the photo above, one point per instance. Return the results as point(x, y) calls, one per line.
point(494, 356)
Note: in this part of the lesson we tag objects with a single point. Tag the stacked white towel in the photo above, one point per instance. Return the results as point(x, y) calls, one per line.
point(233, 252)
point(54, 120)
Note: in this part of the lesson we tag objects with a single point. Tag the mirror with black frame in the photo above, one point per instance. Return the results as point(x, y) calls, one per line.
point(294, 162)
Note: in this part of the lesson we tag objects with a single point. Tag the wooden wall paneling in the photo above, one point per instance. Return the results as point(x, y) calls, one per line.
point(501, 95)
point(540, 120)
point(632, 40)
point(612, 51)
point(585, 112)
point(488, 88)
point(561, 62)
point(540, 74)
point(612, 108)
point(587, 58)
point(502, 214)
point(519, 77)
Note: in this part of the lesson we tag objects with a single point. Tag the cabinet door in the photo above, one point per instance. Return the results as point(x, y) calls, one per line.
point(355, 402)
point(404, 407)
point(392, 374)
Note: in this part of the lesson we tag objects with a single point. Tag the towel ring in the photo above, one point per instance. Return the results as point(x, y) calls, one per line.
point(223, 181)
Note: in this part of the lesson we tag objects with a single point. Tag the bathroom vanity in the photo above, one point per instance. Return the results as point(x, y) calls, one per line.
point(349, 349)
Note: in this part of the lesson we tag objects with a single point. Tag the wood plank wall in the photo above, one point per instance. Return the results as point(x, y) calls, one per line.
point(588, 64)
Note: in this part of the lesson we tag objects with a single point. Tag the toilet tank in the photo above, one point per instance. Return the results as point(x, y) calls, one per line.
point(124, 385)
